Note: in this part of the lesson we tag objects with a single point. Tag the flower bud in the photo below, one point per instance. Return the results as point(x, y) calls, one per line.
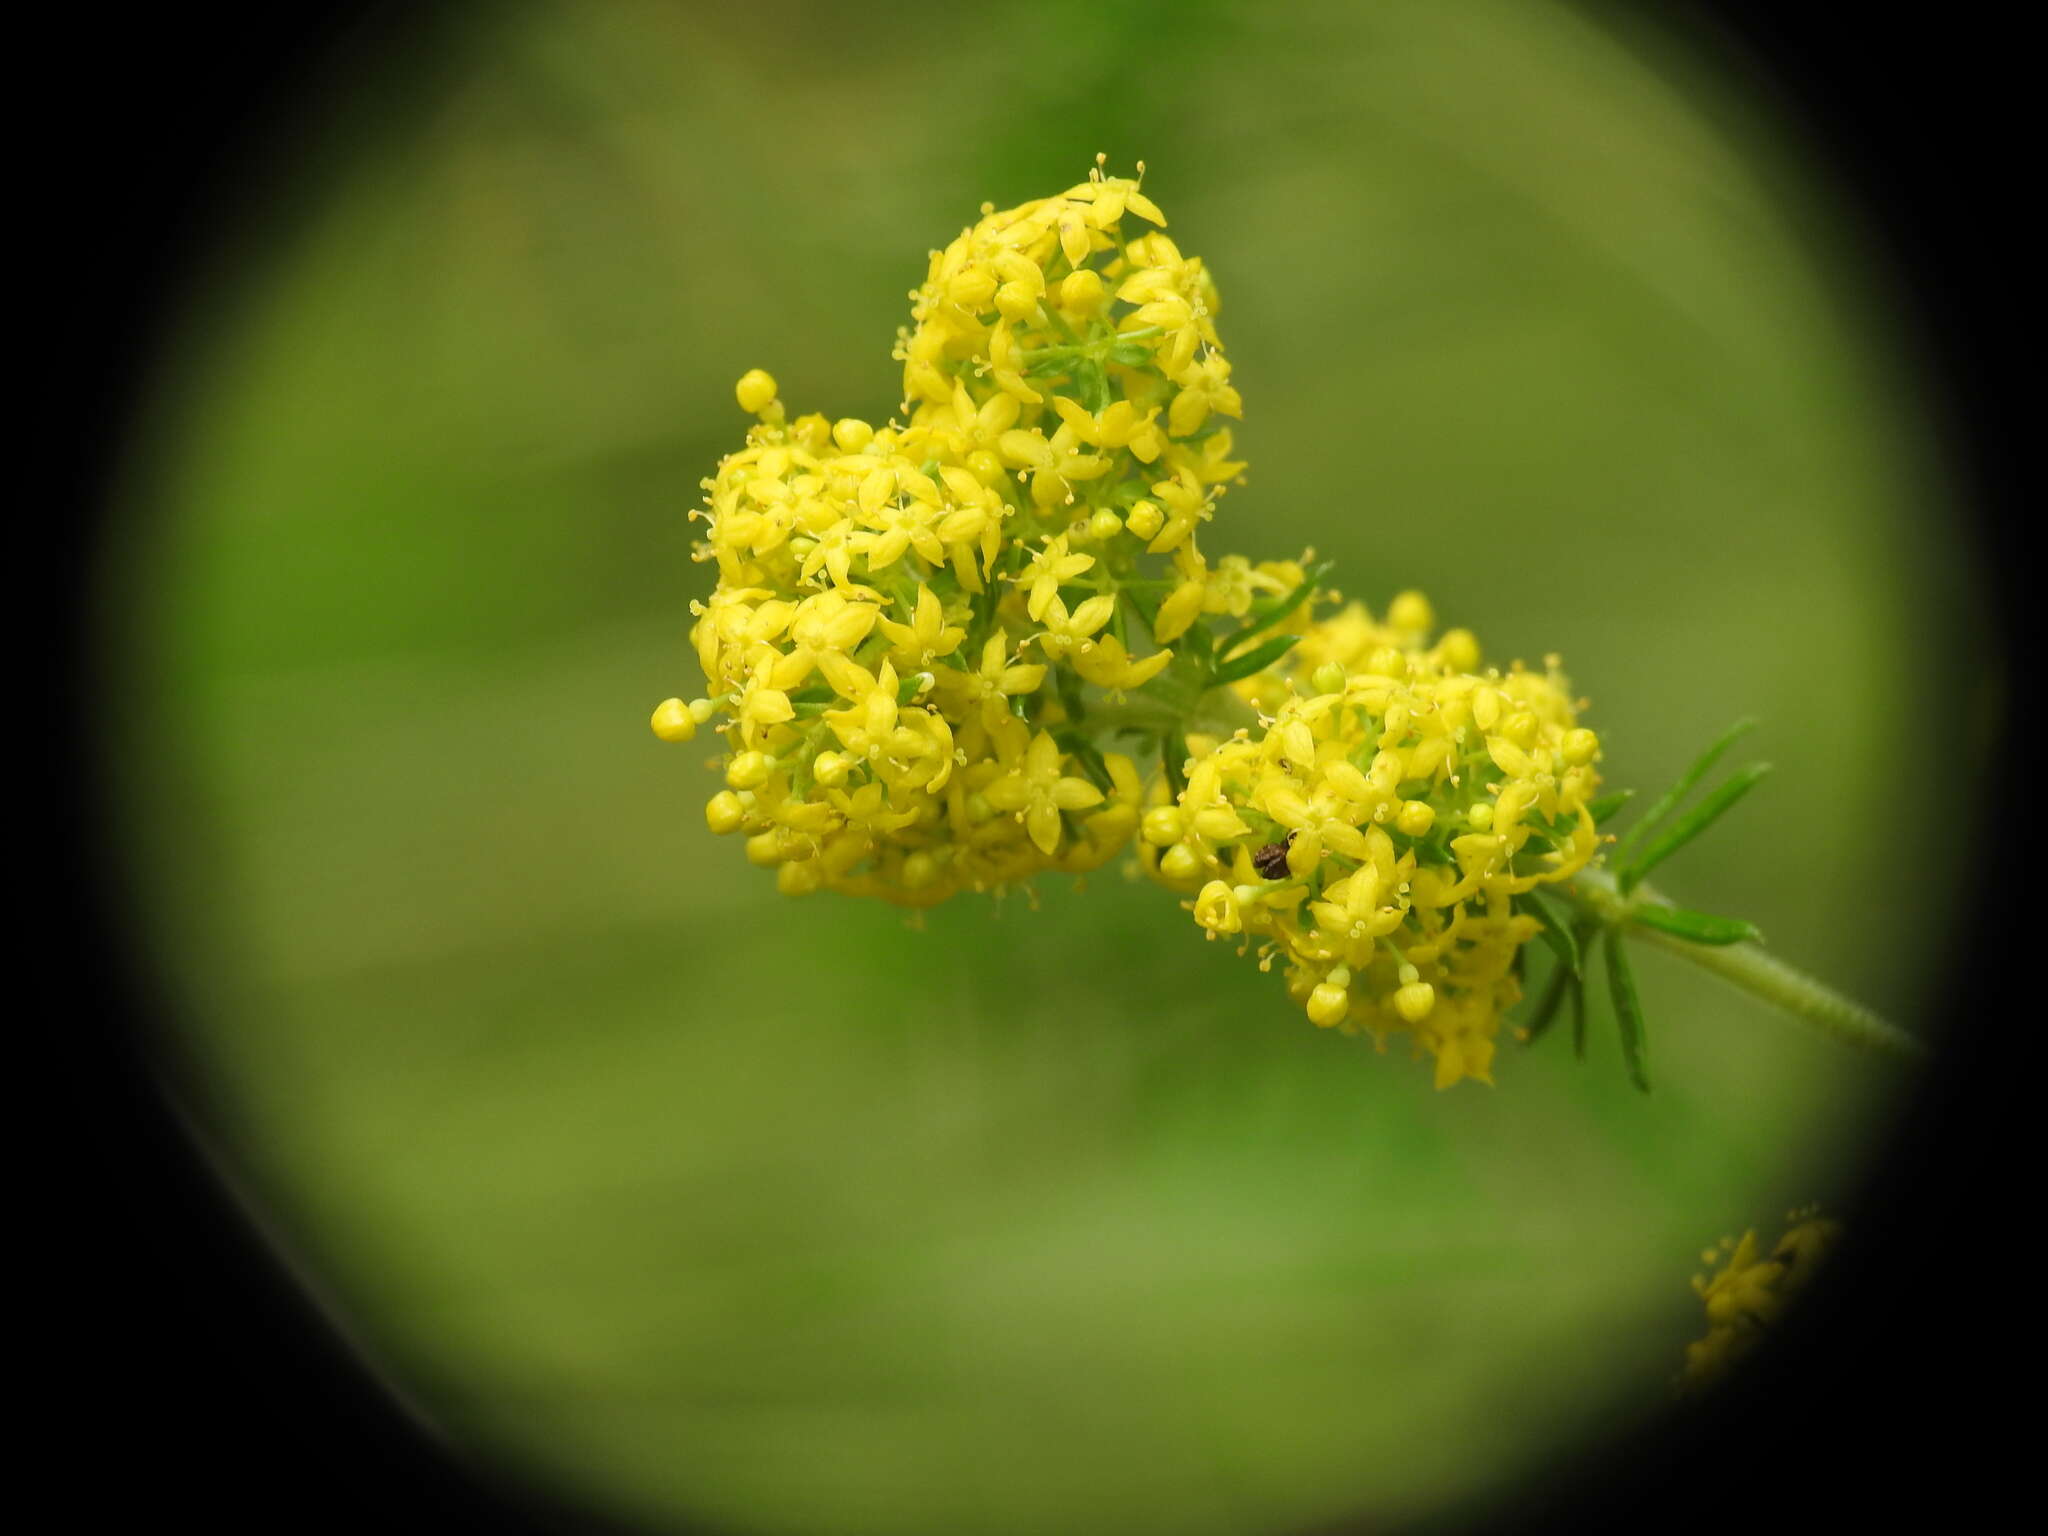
point(723, 812)
point(1459, 649)
point(749, 770)
point(672, 720)
point(1328, 1005)
point(920, 869)
point(1414, 1001)
point(1411, 611)
point(755, 391)
point(1082, 292)
point(1162, 826)
point(799, 877)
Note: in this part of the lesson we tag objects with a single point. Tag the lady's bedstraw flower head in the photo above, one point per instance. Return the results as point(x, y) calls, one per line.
point(911, 619)
point(929, 638)
point(1375, 836)
point(1750, 1290)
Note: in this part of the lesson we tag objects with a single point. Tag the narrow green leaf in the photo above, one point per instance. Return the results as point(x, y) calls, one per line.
point(1699, 927)
point(1265, 614)
point(1578, 991)
point(1173, 755)
point(1068, 682)
point(1547, 1007)
point(984, 609)
point(1604, 808)
point(1093, 384)
point(1087, 755)
point(1628, 1010)
point(1130, 354)
point(1553, 933)
point(1669, 800)
point(1257, 659)
point(1693, 823)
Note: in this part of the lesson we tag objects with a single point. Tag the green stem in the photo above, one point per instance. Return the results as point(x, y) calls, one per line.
point(1750, 967)
point(1216, 712)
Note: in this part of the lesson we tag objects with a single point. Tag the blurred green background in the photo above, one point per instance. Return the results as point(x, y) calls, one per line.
point(710, 1204)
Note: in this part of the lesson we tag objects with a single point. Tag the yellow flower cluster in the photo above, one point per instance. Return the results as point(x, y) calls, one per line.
point(923, 636)
point(909, 619)
point(1750, 1291)
point(1376, 833)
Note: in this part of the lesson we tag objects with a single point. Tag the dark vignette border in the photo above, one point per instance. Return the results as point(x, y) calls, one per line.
point(197, 1381)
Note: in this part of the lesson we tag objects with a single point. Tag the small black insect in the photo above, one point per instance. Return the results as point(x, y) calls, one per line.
point(1271, 860)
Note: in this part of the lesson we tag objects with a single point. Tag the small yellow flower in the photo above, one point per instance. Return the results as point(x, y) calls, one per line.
point(1065, 631)
point(1036, 792)
point(1217, 909)
point(1204, 387)
point(926, 637)
point(1050, 566)
point(1187, 504)
point(755, 390)
point(1106, 663)
point(992, 684)
point(1750, 1290)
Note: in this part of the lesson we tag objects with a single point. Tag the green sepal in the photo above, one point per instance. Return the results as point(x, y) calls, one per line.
point(1698, 927)
point(1692, 824)
point(1628, 1010)
point(1130, 354)
point(1257, 659)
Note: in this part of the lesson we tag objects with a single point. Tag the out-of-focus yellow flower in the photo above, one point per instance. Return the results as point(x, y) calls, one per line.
point(1751, 1289)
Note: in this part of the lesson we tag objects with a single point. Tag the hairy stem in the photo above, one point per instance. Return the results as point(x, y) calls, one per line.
point(1750, 967)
